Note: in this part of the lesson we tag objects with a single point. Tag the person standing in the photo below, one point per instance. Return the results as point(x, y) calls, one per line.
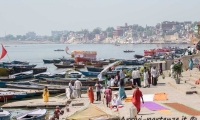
point(134, 77)
point(138, 75)
point(137, 94)
point(98, 90)
point(108, 95)
point(122, 74)
point(90, 94)
point(70, 89)
point(191, 64)
point(45, 94)
point(77, 87)
point(112, 81)
point(154, 74)
point(146, 77)
point(149, 79)
point(122, 93)
point(106, 81)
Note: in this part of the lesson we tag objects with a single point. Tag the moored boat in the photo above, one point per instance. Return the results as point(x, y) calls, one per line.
point(89, 73)
point(81, 59)
point(132, 62)
point(49, 75)
point(76, 65)
point(138, 56)
point(16, 95)
point(74, 74)
point(59, 50)
point(48, 61)
point(94, 69)
point(5, 115)
point(64, 65)
point(128, 51)
point(4, 97)
point(35, 70)
point(22, 75)
point(37, 114)
point(97, 64)
point(20, 62)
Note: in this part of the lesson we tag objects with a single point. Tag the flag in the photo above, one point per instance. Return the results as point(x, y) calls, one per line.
point(3, 52)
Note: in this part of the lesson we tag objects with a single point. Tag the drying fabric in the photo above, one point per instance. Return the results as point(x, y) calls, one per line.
point(184, 109)
point(165, 111)
point(153, 106)
point(148, 97)
point(160, 96)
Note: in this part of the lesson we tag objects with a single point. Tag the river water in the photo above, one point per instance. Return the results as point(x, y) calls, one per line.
point(35, 53)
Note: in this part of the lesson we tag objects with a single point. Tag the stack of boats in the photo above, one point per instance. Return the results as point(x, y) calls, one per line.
point(36, 114)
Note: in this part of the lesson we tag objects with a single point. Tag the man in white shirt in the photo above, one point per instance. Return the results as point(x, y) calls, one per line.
point(136, 77)
point(77, 87)
point(112, 81)
point(154, 75)
point(71, 89)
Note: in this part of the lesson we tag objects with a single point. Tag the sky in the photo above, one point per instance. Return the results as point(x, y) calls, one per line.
point(17, 17)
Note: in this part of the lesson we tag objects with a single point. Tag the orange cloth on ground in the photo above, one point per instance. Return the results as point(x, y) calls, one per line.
point(90, 94)
point(165, 111)
point(160, 96)
point(128, 99)
point(197, 82)
point(137, 94)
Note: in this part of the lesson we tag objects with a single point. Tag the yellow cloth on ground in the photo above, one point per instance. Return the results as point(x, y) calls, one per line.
point(165, 111)
point(160, 96)
point(45, 95)
point(129, 98)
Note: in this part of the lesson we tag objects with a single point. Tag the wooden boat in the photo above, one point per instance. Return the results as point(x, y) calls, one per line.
point(4, 97)
point(5, 115)
point(18, 65)
point(16, 95)
point(94, 69)
point(64, 65)
point(56, 61)
point(81, 59)
point(59, 50)
point(37, 114)
point(20, 62)
point(89, 73)
point(22, 75)
point(138, 56)
point(48, 61)
point(74, 74)
point(35, 87)
point(131, 62)
point(35, 70)
point(128, 51)
point(49, 75)
point(76, 65)
point(97, 64)
point(65, 81)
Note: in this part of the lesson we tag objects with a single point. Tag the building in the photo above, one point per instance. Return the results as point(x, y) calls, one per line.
point(31, 35)
point(63, 39)
point(172, 37)
point(56, 33)
point(117, 33)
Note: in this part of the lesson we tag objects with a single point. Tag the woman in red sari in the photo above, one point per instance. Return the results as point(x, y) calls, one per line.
point(108, 95)
point(90, 94)
point(137, 94)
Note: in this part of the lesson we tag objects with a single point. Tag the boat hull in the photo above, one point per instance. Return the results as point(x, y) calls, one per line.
point(35, 70)
point(78, 65)
point(63, 66)
point(4, 97)
point(4, 116)
point(18, 97)
point(94, 69)
point(79, 59)
point(48, 61)
point(138, 56)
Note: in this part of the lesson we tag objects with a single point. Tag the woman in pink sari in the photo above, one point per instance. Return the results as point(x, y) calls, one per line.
point(108, 95)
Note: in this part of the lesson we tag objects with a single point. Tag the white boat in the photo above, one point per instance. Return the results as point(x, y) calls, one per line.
point(4, 115)
point(37, 114)
point(74, 74)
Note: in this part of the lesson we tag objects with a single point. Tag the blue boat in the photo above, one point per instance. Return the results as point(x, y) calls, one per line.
point(90, 74)
point(20, 62)
point(2, 84)
point(22, 75)
point(5, 115)
point(18, 65)
point(56, 60)
point(30, 94)
point(48, 61)
point(94, 69)
point(37, 114)
point(16, 95)
point(132, 62)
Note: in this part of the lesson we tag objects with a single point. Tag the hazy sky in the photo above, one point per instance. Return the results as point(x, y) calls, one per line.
point(42, 16)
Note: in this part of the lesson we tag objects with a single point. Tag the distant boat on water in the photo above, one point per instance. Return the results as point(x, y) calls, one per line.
point(59, 50)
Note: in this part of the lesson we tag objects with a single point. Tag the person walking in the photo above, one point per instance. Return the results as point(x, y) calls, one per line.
point(98, 90)
point(45, 94)
point(90, 94)
point(108, 95)
point(122, 93)
point(70, 89)
point(77, 87)
point(154, 75)
point(122, 74)
point(137, 94)
point(146, 77)
point(191, 64)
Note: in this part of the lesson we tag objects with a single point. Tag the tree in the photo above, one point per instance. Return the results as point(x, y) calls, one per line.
point(110, 34)
point(24, 37)
point(110, 29)
point(9, 37)
point(18, 37)
point(97, 30)
point(140, 29)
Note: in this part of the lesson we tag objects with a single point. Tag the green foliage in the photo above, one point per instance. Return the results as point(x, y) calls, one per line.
point(110, 29)
point(110, 34)
point(9, 37)
point(140, 29)
point(97, 30)
point(177, 68)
